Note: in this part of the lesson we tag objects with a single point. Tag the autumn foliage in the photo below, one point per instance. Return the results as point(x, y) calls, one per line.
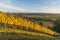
point(12, 20)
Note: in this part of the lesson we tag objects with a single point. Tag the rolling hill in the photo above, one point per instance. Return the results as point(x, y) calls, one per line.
point(15, 24)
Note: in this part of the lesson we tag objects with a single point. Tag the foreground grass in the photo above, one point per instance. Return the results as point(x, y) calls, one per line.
point(9, 30)
point(14, 34)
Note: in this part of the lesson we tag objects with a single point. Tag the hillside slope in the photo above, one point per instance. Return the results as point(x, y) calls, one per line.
point(12, 20)
point(16, 28)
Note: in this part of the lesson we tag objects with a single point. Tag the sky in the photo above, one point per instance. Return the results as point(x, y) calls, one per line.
point(30, 6)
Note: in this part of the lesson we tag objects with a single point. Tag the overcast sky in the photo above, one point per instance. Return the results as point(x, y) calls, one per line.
point(46, 6)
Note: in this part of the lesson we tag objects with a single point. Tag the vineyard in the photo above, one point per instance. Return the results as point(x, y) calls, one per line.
point(18, 25)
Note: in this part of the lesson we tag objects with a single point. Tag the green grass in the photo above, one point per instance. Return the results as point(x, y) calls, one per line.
point(9, 30)
point(14, 34)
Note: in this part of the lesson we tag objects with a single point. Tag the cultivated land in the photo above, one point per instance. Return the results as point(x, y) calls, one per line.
point(28, 27)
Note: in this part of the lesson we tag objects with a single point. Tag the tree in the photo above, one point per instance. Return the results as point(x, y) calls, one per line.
point(57, 26)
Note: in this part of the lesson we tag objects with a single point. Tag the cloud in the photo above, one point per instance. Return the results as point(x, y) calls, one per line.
point(10, 8)
point(6, 1)
point(52, 7)
point(45, 10)
point(50, 10)
point(6, 6)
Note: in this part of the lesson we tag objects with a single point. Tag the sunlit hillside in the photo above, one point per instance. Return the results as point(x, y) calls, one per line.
point(11, 20)
point(16, 24)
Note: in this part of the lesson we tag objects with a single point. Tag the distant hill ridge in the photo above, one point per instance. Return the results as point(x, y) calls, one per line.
point(38, 14)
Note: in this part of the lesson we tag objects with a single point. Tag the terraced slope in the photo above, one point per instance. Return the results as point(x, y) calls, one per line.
point(12, 20)
point(14, 34)
point(9, 30)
